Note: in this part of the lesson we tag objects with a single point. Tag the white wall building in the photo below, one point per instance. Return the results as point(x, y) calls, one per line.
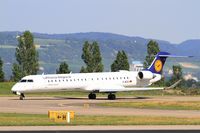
point(136, 66)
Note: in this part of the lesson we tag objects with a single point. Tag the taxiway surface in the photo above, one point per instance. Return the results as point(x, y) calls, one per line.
point(83, 106)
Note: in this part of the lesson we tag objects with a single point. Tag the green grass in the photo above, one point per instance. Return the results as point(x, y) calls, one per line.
point(12, 119)
point(169, 105)
point(5, 88)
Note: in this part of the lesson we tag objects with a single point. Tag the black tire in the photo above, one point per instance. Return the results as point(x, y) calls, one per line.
point(92, 96)
point(111, 97)
point(21, 98)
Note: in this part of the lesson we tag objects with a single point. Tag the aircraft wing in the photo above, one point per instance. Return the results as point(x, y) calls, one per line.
point(117, 88)
point(144, 88)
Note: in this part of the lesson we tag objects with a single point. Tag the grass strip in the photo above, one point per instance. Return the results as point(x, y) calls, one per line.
point(169, 105)
point(12, 119)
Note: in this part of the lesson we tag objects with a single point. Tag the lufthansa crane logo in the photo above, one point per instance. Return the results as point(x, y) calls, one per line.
point(158, 65)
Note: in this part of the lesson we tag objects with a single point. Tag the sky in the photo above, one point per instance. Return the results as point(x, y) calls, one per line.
point(170, 20)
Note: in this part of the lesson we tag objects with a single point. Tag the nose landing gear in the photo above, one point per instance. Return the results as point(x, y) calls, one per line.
point(21, 97)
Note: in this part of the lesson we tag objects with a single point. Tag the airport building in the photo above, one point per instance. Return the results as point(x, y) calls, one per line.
point(136, 66)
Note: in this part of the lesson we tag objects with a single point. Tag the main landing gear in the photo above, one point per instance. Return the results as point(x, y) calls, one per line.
point(111, 96)
point(92, 96)
point(21, 97)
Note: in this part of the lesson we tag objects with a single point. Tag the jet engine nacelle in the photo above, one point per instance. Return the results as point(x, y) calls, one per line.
point(145, 75)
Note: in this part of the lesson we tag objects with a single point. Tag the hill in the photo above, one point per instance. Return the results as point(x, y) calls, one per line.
point(54, 48)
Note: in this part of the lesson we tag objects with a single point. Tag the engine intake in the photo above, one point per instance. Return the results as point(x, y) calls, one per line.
point(145, 75)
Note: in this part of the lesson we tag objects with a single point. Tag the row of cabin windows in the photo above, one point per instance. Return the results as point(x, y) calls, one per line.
point(63, 80)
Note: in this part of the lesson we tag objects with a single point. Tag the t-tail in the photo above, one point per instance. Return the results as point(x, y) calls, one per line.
point(159, 61)
point(153, 73)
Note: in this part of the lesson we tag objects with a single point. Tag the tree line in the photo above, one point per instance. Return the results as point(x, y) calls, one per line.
point(27, 61)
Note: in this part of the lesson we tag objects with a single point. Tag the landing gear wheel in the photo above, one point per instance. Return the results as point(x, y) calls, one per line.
point(92, 96)
point(111, 96)
point(21, 97)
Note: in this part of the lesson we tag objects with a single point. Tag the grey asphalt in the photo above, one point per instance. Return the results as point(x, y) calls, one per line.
point(83, 106)
point(100, 128)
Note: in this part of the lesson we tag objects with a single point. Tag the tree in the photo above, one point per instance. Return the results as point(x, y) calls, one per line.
point(92, 57)
point(190, 83)
point(97, 60)
point(121, 62)
point(83, 70)
point(152, 50)
point(1, 71)
point(17, 72)
point(177, 74)
point(63, 68)
point(26, 56)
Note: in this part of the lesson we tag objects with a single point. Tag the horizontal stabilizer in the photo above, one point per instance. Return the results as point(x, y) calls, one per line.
point(159, 61)
point(175, 56)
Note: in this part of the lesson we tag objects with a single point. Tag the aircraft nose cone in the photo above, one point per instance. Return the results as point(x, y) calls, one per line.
point(14, 88)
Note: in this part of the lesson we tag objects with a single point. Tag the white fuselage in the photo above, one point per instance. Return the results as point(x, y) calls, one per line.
point(91, 82)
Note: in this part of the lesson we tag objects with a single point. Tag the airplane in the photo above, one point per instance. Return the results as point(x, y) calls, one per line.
point(101, 82)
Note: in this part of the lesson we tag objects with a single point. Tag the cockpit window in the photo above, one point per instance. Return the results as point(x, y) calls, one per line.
point(24, 80)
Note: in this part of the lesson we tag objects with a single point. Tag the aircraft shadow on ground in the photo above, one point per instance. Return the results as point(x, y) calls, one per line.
point(80, 98)
point(101, 98)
